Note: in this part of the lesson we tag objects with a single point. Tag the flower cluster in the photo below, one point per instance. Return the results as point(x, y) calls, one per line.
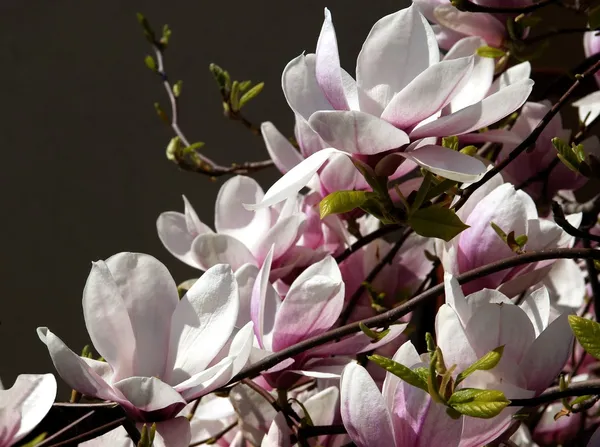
point(422, 274)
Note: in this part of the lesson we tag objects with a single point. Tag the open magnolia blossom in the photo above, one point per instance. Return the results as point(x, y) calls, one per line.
point(509, 210)
point(399, 97)
point(311, 306)
point(589, 106)
point(24, 405)
point(160, 352)
point(245, 237)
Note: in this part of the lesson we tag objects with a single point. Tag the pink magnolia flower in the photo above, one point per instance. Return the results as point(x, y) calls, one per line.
point(510, 210)
point(398, 96)
point(161, 352)
point(24, 405)
point(532, 163)
point(245, 237)
point(311, 306)
point(589, 106)
point(451, 24)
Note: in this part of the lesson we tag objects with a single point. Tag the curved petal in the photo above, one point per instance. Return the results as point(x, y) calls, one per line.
point(173, 433)
point(296, 179)
point(209, 250)
point(206, 381)
point(429, 92)
point(398, 48)
point(363, 409)
point(264, 305)
point(300, 86)
point(284, 234)
point(566, 284)
point(357, 132)
point(514, 74)
point(284, 155)
point(311, 306)
point(231, 218)
point(150, 295)
point(537, 307)
point(589, 107)
point(482, 24)
point(340, 174)
point(327, 69)
point(453, 340)
point(203, 322)
point(245, 277)
point(151, 395)
point(174, 235)
point(447, 163)
point(279, 433)
point(479, 115)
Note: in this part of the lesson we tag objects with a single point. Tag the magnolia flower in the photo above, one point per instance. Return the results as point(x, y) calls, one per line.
point(245, 237)
point(510, 210)
point(311, 306)
point(400, 91)
point(589, 106)
point(160, 352)
point(453, 24)
point(24, 405)
point(531, 163)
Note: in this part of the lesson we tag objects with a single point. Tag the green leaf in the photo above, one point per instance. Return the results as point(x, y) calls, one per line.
point(440, 188)
point(567, 154)
point(150, 63)
point(148, 31)
point(342, 202)
point(436, 221)
point(405, 373)
point(245, 85)
point(166, 35)
point(490, 52)
point(485, 363)
point(177, 88)
point(35, 441)
point(450, 142)
point(594, 17)
point(373, 335)
point(221, 77)
point(484, 404)
point(587, 333)
point(234, 96)
point(499, 231)
point(469, 150)
point(421, 193)
point(251, 94)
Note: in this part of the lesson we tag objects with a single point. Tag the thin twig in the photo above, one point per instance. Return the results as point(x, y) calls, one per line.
point(589, 387)
point(102, 429)
point(469, 6)
point(213, 439)
point(387, 318)
point(380, 232)
point(560, 219)
point(65, 429)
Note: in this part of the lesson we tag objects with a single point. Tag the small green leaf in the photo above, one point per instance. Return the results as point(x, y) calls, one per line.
point(440, 188)
point(35, 441)
point(469, 150)
point(177, 88)
point(567, 154)
point(173, 149)
point(161, 113)
point(373, 335)
point(490, 52)
point(234, 96)
point(499, 231)
point(405, 373)
point(436, 221)
point(521, 240)
point(222, 78)
point(587, 333)
point(477, 403)
point(342, 202)
point(487, 362)
point(166, 35)
point(594, 17)
point(148, 31)
point(251, 94)
point(450, 142)
point(422, 192)
point(150, 63)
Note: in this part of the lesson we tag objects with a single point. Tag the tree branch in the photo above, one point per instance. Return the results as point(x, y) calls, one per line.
point(560, 219)
point(380, 232)
point(469, 6)
point(589, 387)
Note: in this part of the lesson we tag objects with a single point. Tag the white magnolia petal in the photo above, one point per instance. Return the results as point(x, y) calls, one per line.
point(264, 305)
point(537, 307)
point(466, 23)
point(589, 107)
point(150, 394)
point(279, 433)
point(209, 250)
point(514, 74)
point(284, 155)
point(173, 233)
point(245, 277)
point(447, 163)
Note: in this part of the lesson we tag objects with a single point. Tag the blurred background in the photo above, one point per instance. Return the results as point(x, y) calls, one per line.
point(84, 173)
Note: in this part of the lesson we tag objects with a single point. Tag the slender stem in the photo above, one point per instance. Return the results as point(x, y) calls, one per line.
point(83, 436)
point(391, 316)
point(65, 429)
point(589, 387)
point(469, 6)
point(380, 232)
point(560, 219)
point(531, 138)
point(312, 431)
point(387, 259)
point(213, 439)
point(263, 393)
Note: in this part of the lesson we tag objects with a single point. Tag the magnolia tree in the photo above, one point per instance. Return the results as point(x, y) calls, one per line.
point(424, 273)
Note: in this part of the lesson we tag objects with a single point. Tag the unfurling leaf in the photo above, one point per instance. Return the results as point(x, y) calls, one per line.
point(570, 156)
point(477, 403)
point(222, 77)
point(587, 333)
point(250, 94)
point(166, 36)
point(421, 193)
point(485, 363)
point(490, 52)
point(150, 63)
point(436, 221)
point(148, 31)
point(234, 96)
point(405, 373)
point(450, 142)
point(35, 441)
point(177, 88)
point(372, 334)
point(343, 202)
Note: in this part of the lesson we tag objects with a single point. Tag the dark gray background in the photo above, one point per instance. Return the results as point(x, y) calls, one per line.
point(84, 174)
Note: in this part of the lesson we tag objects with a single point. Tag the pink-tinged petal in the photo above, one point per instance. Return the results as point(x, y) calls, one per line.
point(150, 295)
point(479, 115)
point(32, 395)
point(231, 218)
point(114, 438)
point(481, 77)
point(537, 307)
point(398, 48)
point(73, 370)
point(255, 413)
point(548, 354)
point(483, 25)
point(340, 174)
point(505, 325)
point(447, 163)
point(595, 439)
point(311, 306)
point(478, 196)
point(429, 92)
point(264, 305)
point(193, 223)
point(566, 284)
point(283, 235)
point(516, 73)
point(241, 347)
point(206, 381)
point(322, 406)
point(453, 340)
point(524, 279)
point(308, 140)
point(284, 155)
point(174, 235)
point(108, 322)
point(455, 298)
point(296, 179)
point(446, 37)
point(589, 107)
point(209, 250)
point(173, 433)
point(363, 409)
point(151, 396)
point(203, 322)
point(279, 433)
point(10, 420)
point(300, 86)
point(406, 355)
point(357, 132)
point(324, 368)
point(245, 277)
point(327, 69)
